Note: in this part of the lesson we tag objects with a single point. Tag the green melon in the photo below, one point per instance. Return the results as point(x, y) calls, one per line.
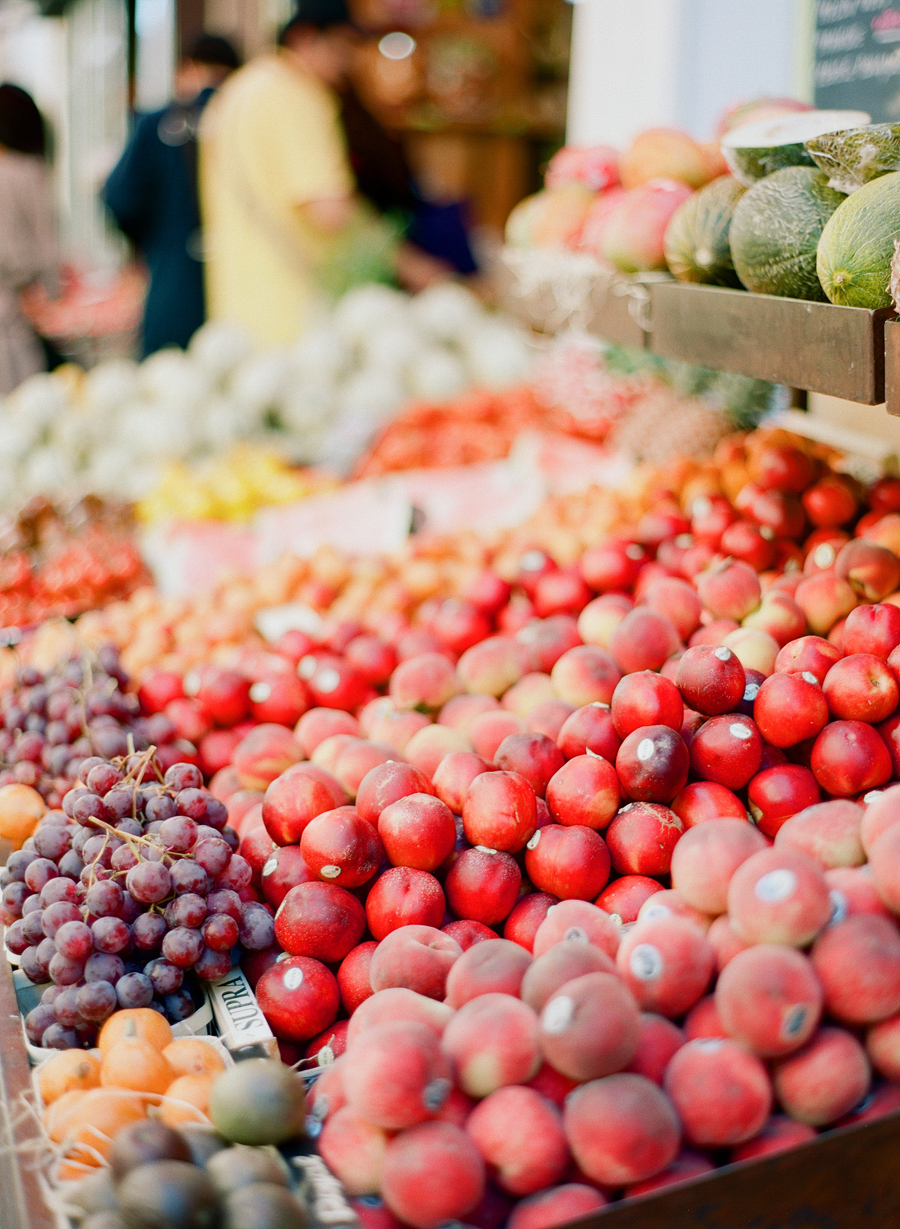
point(857, 245)
point(775, 232)
point(753, 151)
point(696, 242)
point(857, 156)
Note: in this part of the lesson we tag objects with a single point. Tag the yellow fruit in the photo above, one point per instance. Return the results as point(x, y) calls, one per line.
point(191, 1056)
point(148, 1025)
point(67, 1071)
point(21, 807)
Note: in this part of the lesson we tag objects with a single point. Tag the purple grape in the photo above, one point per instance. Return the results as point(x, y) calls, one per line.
point(65, 1007)
point(90, 874)
point(134, 990)
point(37, 1022)
point(212, 965)
point(231, 838)
point(28, 748)
point(98, 851)
point(71, 865)
point(50, 994)
point(88, 764)
point(213, 854)
point(109, 741)
point(31, 966)
point(40, 872)
point(18, 863)
point(188, 876)
point(104, 967)
point(152, 829)
point(183, 946)
point(160, 807)
point(15, 938)
point(31, 904)
point(183, 776)
point(149, 882)
point(88, 808)
point(58, 1038)
point(33, 927)
point(52, 840)
point(257, 929)
point(223, 900)
point(57, 914)
point(57, 890)
point(216, 814)
point(178, 834)
point(64, 971)
point(14, 896)
point(129, 826)
point(180, 1005)
point(110, 934)
point(220, 932)
point(186, 910)
point(237, 875)
point(73, 940)
point(69, 799)
point(124, 858)
point(103, 778)
point(105, 899)
point(119, 802)
point(131, 910)
point(147, 931)
point(58, 736)
point(164, 976)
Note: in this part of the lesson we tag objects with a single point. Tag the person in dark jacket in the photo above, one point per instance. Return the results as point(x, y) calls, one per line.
point(152, 195)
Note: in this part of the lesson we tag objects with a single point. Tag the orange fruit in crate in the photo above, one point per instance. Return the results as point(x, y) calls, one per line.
point(65, 1071)
point(21, 807)
point(149, 1025)
point(193, 1089)
point(87, 1122)
point(192, 1056)
point(136, 1064)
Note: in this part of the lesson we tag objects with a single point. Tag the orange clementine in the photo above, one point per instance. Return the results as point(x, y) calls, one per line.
point(88, 1125)
point(136, 1064)
point(67, 1070)
point(21, 807)
point(59, 1116)
point(193, 1089)
point(191, 1056)
point(148, 1024)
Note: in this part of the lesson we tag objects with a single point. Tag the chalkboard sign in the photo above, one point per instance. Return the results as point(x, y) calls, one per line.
point(858, 57)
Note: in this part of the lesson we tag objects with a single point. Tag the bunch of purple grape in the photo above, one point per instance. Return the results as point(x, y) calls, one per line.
point(50, 723)
point(131, 886)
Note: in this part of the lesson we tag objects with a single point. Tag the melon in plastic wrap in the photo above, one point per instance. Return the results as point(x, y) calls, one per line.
point(635, 234)
point(664, 153)
point(857, 155)
point(110, 385)
point(497, 355)
point(446, 310)
point(759, 109)
point(856, 249)
point(367, 307)
point(755, 150)
point(596, 166)
point(697, 238)
point(219, 346)
point(553, 218)
point(436, 375)
point(775, 232)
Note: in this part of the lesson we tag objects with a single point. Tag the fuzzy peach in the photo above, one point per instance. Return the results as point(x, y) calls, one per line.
point(415, 957)
point(722, 1093)
point(779, 896)
point(492, 1041)
point(431, 1174)
point(666, 963)
point(707, 856)
point(825, 1080)
point(621, 1129)
point(769, 999)
point(494, 966)
point(396, 1075)
point(520, 1135)
point(828, 832)
point(857, 961)
point(589, 1027)
point(398, 1003)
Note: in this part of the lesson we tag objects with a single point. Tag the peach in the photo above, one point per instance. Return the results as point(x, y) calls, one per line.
point(526, 917)
point(561, 963)
point(425, 682)
point(876, 1104)
point(624, 897)
point(430, 745)
point(599, 619)
point(824, 1080)
point(533, 756)
point(882, 812)
point(545, 640)
point(808, 654)
point(520, 1135)
point(492, 1041)
point(852, 892)
point(354, 1151)
point(707, 856)
point(873, 571)
point(861, 687)
point(858, 964)
point(398, 1003)
point(387, 783)
point(415, 957)
point(319, 920)
point(490, 729)
point(571, 862)
point(483, 885)
point(721, 1092)
point(779, 896)
point(577, 921)
point(459, 624)
point(395, 728)
point(556, 1206)
point(396, 1075)
point(549, 717)
point(687, 1165)
point(403, 896)
point(551, 1084)
point(585, 674)
point(725, 941)
point(589, 729)
point(621, 1129)
point(290, 802)
point(531, 690)
point(340, 846)
point(713, 633)
point(884, 863)
point(777, 793)
point(585, 791)
point(589, 1027)
point(612, 565)
point(727, 750)
point(642, 641)
point(353, 976)
point(705, 800)
point(779, 1134)
point(329, 750)
point(460, 712)
point(769, 999)
point(849, 757)
point(491, 667)
point(729, 589)
point(264, 754)
point(642, 837)
point(828, 832)
point(431, 1174)
point(872, 629)
point(779, 615)
point(754, 648)
point(327, 1094)
point(825, 598)
point(678, 601)
point(703, 1020)
point(467, 933)
point(883, 1047)
point(669, 903)
point(666, 963)
point(453, 776)
point(658, 1040)
point(494, 966)
point(711, 679)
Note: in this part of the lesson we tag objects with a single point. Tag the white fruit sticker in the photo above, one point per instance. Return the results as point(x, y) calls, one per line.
point(737, 729)
point(794, 1019)
point(722, 653)
point(809, 677)
point(710, 1044)
point(330, 872)
point(645, 750)
point(260, 692)
point(487, 848)
point(435, 1094)
point(328, 680)
point(533, 843)
point(558, 1014)
point(751, 691)
point(655, 911)
point(824, 555)
point(576, 934)
point(775, 887)
point(838, 907)
point(293, 979)
point(270, 867)
point(646, 962)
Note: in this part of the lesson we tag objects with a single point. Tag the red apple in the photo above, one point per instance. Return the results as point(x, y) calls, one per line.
point(642, 837)
point(652, 764)
point(808, 654)
point(728, 750)
point(711, 679)
point(849, 757)
point(644, 699)
point(702, 801)
point(589, 729)
point(533, 756)
point(860, 687)
point(790, 708)
point(830, 501)
point(776, 794)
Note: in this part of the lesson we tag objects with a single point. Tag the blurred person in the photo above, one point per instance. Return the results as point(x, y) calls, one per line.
point(152, 195)
point(28, 239)
point(285, 226)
